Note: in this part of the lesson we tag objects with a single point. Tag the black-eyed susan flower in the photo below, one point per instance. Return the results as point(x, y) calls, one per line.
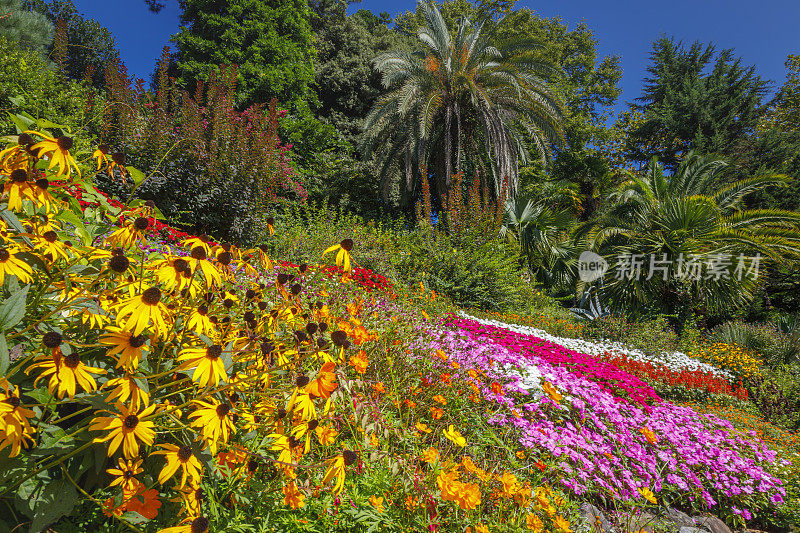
point(15, 428)
point(117, 161)
point(101, 154)
point(174, 273)
point(125, 428)
point(66, 373)
point(190, 525)
point(18, 187)
point(213, 418)
point(129, 233)
point(17, 155)
point(125, 475)
point(191, 496)
point(179, 457)
point(271, 225)
point(199, 259)
point(201, 240)
point(282, 445)
point(43, 198)
point(336, 469)
point(263, 257)
point(50, 246)
point(343, 258)
point(143, 309)
point(209, 369)
point(11, 265)
point(125, 388)
point(199, 322)
point(58, 148)
point(126, 347)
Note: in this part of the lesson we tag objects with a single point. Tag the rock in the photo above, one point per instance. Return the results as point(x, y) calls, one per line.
point(595, 518)
point(680, 518)
point(691, 529)
point(641, 522)
point(712, 523)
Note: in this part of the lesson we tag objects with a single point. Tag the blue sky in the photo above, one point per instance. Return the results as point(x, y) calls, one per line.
point(763, 33)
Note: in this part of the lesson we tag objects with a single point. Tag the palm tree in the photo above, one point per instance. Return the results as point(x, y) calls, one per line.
point(458, 101)
point(688, 216)
point(546, 241)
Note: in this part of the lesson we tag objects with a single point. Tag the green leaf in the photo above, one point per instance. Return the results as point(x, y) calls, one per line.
point(44, 123)
point(13, 309)
point(22, 123)
point(12, 220)
point(16, 101)
point(5, 357)
point(137, 175)
point(54, 500)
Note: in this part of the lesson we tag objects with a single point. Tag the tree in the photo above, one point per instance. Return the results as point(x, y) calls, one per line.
point(784, 112)
point(26, 29)
point(89, 44)
point(271, 42)
point(687, 216)
point(687, 107)
point(459, 103)
point(345, 81)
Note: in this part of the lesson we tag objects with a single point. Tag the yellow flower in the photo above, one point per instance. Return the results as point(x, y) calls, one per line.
point(125, 387)
point(50, 246)
point(326, 435)
point(649, 435)
point(128, 348)
point(174, 273)
point(422, 428)
point(199, 259)
point(648, 495)
point(343, 255)
point(292, 496)
point(125, 474)
point(101, 154)
point(209, 368)
point(561, 525)
point(179, 457)
point(377, 503)
point(431, 455)
point(534, 523)
point(199, 321)
point(125, 428)
point(336, 469)
point(58, 148)
point(15, 429)
point(11, 266)
point(552, 392)
point(143, 309)
point(454, 436)
point(213, 419)
point(66, 373)
point(190, 525)
point(18, 187)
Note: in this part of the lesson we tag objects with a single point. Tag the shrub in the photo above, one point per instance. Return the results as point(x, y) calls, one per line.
point(650, 336)
point(778, 344)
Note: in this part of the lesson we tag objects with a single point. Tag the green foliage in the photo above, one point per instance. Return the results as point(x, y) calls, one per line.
point(90, 46)
point(459, 101)
point(649, 336)
point(688, 215)
point(775, 346)
point(776, 393)
point(784, 113)
point(688, 107)
point(271, 42)
point(26, 29)
point(37, 89)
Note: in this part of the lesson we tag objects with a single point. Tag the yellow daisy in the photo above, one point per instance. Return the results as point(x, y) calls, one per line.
point(179, 457)
point(127, 348)
point(143, 309)
point(125, 428)
point(11, 266)
point(214, 421)
point(125, 475)
point(58, 148)
point(66, 373)
point(209, 369)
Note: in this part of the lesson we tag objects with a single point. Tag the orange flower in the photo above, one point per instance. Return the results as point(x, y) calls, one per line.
point(437, 413)
point(552, 392)
point(359, 361)
point(325, 383)
point(649, 435)
point(440, 399)
point(497, 388)
point(378, 387)
point(145, 502)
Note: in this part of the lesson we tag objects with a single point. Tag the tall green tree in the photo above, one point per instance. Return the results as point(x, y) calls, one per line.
point(460, 102)
point(784, 112)
point(23, 28)
point(694, 99)
point(90, 45)
point(270, 42)
point(345, 81)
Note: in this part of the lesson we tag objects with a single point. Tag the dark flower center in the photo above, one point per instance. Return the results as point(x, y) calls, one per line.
point(263, 248)
point(64, 142)
point(184, 453)
point(4, 255)
point(104, 148)
point(180, 265)
point(223, 409)
point(131, 421)
point(13, 401)
point(267, 348)
point(323, 327)
point(347, 244)
point(214, 351)
point(72, 360)
point(118, 158)
point(250, 294)
point(302, 381)
point(24, 139)
point(282, 279)
point(199, 524)
point(303, 268)
point(152, 296)
point(137, 341)
point(262, 305)
point(338, 337)
point(350, 457)
point(311, 328)
point(52, 339)
point(249, 316)
point(252, 465)
point(203, 310)
point(43, 183)
point(281, 413)
point(271, 221)
point(199, 253)
point(141, 223)
point(19, 175)
point(50, 236)
point(227, 302)
point(224, 258)
point(312, 424)
point(296, 288)
point(119, 263)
